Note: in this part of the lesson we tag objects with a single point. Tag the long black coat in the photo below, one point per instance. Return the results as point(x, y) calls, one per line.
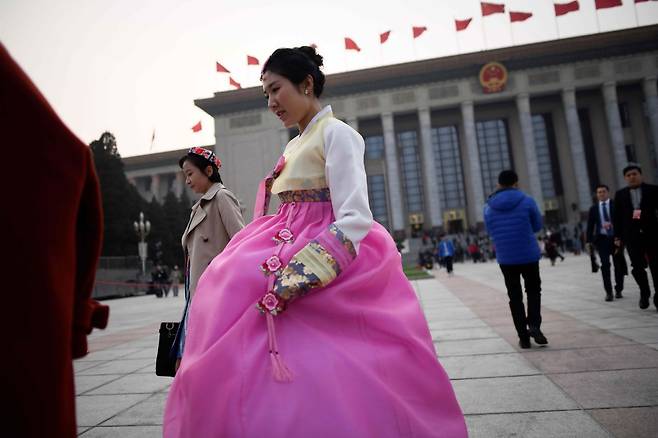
point(631, 230)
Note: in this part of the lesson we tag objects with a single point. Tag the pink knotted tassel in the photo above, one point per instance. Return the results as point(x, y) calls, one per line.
point(280, 371)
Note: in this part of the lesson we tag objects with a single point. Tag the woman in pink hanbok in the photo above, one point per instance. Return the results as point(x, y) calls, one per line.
point(306, 326)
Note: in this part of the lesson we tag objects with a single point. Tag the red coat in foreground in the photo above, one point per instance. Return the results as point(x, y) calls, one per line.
point(51, 227)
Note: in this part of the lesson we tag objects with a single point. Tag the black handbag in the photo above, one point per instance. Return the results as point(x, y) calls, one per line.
point(165, 362)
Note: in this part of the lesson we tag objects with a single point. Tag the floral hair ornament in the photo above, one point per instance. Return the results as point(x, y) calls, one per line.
point(207, 154)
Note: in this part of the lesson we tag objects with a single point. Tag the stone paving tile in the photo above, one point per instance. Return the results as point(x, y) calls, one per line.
point(473, 347)
point(534, 425)
point(622, 322)
point(92, 410)
point(123, 366)
point(145, 353)
point(583, 339)
point(629, 422)
point(646, 335)
point(593, 359)
point(85, 383)
point(456, 324)
point(510, 394)
point(81, 366)
point(460, 334)
point(124, 432)
point(607, 389)
point(488, 365)
point(109, 354)
point(133, 384)
point(147, 412)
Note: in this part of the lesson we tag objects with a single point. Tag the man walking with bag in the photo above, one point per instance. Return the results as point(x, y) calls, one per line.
point(512, 219)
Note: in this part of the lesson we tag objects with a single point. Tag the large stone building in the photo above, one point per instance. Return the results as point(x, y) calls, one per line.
point(565, 114)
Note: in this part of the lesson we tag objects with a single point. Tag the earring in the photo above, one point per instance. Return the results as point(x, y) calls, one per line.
point(306, 91)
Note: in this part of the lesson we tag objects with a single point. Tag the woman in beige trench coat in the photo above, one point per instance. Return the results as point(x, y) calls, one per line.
point(214, 220)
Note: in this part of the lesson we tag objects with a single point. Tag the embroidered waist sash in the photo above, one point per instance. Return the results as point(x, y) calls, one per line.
point(314, 195)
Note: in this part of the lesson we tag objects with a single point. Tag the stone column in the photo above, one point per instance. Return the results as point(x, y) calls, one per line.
point(155, 186)
point(179, 184)
point(476, 193)
point(353, 122)
point(577, 149)
point(651, 97)
point(429, 169)
point(525, 119)
point(393, 173)
point(615, 130)
point(284, 138)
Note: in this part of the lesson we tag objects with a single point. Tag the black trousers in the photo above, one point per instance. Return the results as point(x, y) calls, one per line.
point(448, 262)
point(606, 248)
point(532, 282)
point(639, 251)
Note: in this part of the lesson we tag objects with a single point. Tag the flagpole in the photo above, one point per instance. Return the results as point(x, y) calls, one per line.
point(454, 27)
point(598, 26)
point(484, 34)
point(637, 21)
point(557, 28)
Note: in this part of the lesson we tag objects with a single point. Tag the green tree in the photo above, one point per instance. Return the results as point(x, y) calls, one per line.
point(176, 214)
point(121, 202)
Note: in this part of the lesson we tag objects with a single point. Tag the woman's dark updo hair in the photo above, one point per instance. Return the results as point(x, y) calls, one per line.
point(295, 64)
point(201, 163)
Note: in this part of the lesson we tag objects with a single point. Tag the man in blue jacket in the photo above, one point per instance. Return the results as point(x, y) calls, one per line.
point(512, 219)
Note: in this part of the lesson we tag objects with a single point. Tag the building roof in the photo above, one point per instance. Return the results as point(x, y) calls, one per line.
point(549, 53)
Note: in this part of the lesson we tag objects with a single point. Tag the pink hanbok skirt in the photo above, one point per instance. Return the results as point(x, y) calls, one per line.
point(359, 349)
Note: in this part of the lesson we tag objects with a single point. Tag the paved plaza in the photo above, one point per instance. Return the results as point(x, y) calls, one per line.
point(598, 377)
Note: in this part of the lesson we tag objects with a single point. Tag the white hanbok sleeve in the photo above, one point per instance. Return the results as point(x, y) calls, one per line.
point(346, 176)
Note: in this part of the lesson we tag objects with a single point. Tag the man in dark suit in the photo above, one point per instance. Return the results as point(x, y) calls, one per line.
point(600, 234)
point(635, 225)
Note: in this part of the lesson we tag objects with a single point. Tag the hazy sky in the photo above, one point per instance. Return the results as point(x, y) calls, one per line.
point(134, 66)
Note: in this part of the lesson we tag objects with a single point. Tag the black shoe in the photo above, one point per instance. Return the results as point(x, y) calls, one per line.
point(608, 297)
point(524, 343)
point(644, 303)
point(538, 336)
point(619, 295)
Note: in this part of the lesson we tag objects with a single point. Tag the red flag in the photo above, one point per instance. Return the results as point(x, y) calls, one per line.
point(519, 16)
point(418, 30)
point(565, 8)
point(220, 68)
point(604, 4)
point(492, 8)
point(462, 24)
point(351, 45)
point(642, 1)
point(383, 37)
point(252, 60)
point(231, 81)
point(197, 127)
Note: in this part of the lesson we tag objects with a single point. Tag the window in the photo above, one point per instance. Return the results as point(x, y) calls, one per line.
point(377, 199)
point(374, 147)
point(411, 172)
point(447, 162)
point(494, 151)
point(542, 148)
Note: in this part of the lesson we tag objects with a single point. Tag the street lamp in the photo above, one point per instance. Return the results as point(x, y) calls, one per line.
point(142, 228)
